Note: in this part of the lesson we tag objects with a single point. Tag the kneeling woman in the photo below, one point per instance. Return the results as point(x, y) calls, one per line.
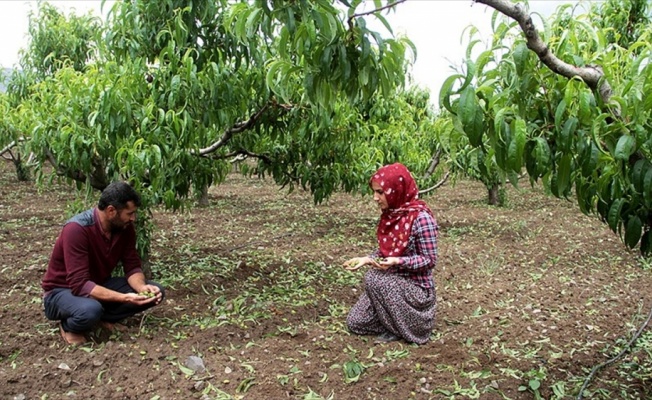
point(399, 297)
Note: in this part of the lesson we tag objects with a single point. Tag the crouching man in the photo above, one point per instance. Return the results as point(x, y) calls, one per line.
point(79, 290)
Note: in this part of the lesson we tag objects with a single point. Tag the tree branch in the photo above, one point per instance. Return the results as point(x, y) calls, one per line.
point(349, 21)
point(237, 128)
point(436, 185)
point(51, 159)
point(591, 75)
point(98, 179)
point(241, 127)
point(240, 155)
point(434, 162)
point(615, 358)
point(7, 148)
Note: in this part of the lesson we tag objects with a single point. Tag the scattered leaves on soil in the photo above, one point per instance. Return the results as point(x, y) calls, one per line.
point(530, 297)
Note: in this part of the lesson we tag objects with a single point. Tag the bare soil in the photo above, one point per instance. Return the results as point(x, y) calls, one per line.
point(255, 290)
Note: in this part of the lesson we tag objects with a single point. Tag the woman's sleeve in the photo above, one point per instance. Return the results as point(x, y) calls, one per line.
point(424, 233)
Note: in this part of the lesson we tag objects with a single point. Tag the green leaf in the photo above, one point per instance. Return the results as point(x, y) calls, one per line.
point(241, 25)
point(638, 173)
point(625, 147)
point(483, 59)
point(470, 114)
point(186, 371)
point(534, 384)
point(530, 160)
point(567, 133)
point(585, 193)
point(590, 161)
point(517, 145)
point(446, 92)
point(613, 218)
point(291, 23)
point(586, 107)
point(272, 76)
point(542, 156)
point(647, 185)
point(143, 126)
point(521, 53)
point(245, 384)
point(501, 146)
point(633, 231)
point(570, 94)
point(559, 114)
point(386, 24)
point(284, 40)
point(352, 371)
point(564, 175)
point(252, 21)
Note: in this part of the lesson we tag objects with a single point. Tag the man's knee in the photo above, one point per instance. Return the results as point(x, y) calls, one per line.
point(86, 314)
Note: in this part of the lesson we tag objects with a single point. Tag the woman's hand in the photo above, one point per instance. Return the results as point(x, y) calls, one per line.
point(384, 264)
point(357, 262)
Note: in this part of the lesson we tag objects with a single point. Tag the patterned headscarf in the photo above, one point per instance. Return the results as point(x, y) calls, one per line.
point(403, 208)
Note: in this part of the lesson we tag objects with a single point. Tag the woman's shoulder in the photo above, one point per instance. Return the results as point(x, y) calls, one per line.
point(426, 217)
point(426, 213)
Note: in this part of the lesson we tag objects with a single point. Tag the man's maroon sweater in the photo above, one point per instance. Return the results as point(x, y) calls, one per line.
point(83, 257)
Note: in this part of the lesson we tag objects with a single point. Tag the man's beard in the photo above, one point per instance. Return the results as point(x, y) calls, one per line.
point(117, 225)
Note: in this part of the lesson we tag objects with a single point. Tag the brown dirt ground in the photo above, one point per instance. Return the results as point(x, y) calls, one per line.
point(533, 286)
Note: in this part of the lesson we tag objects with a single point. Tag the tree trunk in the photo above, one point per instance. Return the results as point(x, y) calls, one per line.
point(203, 197)
point(494, 195)
point(22, 171)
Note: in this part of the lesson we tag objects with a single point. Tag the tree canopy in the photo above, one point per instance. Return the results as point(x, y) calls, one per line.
point(569, 104)
point(166, 94)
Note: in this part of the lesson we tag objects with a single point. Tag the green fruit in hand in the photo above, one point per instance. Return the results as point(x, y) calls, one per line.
point(147, 294)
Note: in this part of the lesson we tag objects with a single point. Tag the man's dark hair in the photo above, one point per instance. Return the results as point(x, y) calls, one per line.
point(118, 194)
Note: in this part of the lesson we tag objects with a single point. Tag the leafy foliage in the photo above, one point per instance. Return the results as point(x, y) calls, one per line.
point(57, 40)
point(623, 22)
point(168, 95)
point(221, 80)
point(563, 132)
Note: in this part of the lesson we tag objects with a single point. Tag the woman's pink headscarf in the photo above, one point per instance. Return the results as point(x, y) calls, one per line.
point(404, 206)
